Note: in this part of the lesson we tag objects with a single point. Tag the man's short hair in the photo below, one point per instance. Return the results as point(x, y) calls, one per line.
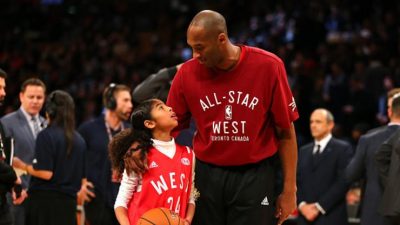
point(32, 82)
point(3, 74)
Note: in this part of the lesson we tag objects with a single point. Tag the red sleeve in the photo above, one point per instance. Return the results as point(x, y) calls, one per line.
point(177, 101)
point(284, 109)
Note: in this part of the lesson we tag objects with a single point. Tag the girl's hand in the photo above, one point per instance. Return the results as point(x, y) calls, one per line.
point(186, 222)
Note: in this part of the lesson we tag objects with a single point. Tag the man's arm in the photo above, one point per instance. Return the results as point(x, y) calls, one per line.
point(155, 86)
point(287, 149)
point(383, 157)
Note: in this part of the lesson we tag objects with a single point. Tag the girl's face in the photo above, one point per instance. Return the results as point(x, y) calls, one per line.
point(164, 118)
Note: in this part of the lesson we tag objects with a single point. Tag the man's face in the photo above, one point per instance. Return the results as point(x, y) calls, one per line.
point(205, 46)
point(32, 99)
point(319, 125)
point(124, 104)
point(2, 90)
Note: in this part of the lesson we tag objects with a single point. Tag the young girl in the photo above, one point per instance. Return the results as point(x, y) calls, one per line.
point(168, 181)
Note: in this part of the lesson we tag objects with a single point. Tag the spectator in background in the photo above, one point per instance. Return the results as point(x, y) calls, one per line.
point(321, 174)
point(23, 125)
point(58, 167)
point(100, 188)
point(363, 167)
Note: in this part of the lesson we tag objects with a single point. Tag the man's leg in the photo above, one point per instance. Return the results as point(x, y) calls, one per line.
point(250, 195)
point(210, 205)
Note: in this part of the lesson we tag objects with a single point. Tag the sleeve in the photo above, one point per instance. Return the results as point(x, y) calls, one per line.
point(338, 189)
point(193, 193)
point(383, 157)
point(44, 156)
point(128, 186)
point(356, 168)
point(283, 108)
point(156, 85)
point(7, 174)
point(177, 101)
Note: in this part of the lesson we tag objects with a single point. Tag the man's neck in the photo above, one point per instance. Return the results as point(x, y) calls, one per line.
point(112, 119)
point(233, 56)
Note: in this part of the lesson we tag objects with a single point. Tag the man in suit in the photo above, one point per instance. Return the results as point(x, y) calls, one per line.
point(363, 166)
point(388, 165)
point(23, 125)
point(321, 183)
point(8, 178)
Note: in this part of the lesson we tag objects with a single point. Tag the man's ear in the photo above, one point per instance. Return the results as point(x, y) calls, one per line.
point(149, 124)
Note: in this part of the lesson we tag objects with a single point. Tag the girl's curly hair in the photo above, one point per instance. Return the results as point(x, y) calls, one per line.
point(120, 146)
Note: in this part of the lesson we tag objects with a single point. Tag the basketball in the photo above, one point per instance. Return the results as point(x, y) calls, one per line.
point(160, 216)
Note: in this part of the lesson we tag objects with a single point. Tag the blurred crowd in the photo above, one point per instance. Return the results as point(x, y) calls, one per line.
point(341, 55)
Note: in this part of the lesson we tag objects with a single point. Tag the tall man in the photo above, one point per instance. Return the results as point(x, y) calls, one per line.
point(321, 183)
point(241, 102)
point(7, 175)
point(388, 166)
point(23, 125)
point(363, 165)
point(100, 191)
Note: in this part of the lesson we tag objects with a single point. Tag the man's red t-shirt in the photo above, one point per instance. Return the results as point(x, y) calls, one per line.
point(237, 111)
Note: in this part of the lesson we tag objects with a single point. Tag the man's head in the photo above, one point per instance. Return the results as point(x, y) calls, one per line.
point(3, 76)
point(390, 95)
point(395, 107)
point(117, 98)
point(208, 36)
point(321, 123)
point(32, 95)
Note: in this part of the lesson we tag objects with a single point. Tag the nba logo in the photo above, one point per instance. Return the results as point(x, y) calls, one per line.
point(228, 112)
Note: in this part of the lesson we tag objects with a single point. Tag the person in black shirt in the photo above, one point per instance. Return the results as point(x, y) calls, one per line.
point(58, 167)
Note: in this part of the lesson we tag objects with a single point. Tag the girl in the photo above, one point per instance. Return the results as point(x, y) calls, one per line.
point(168, 182)
point(58, 167)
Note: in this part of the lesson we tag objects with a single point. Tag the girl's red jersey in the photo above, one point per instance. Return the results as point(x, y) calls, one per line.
point(167, 183)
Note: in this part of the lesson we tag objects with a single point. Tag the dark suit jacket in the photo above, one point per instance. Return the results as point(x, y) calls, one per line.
point(15, 125)
point(324, 181)
point(362, 166)
point(388, 163)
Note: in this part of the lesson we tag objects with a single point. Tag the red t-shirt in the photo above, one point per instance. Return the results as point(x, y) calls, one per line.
point(167, 184)
point(235, 111)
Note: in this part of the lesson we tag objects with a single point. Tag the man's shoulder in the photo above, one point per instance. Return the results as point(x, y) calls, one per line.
point(306, 146)
point(340, 142)
point(10, 116)
point(262, 54)
point(377, 132)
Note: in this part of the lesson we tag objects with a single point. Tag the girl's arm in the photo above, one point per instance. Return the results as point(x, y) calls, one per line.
point(128, 186)
point(194, 194)
point(43, 174)
point(122, 215)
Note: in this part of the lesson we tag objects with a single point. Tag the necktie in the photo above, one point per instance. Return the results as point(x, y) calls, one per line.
point(36, 127)
point(318, 151)
point(317, 154)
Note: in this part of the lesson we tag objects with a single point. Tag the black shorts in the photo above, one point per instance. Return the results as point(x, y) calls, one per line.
point(236, 195)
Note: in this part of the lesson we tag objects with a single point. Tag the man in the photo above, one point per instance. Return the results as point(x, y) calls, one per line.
point(100, 191)
point(321, 183)
point(363, 166)
point(234, 171)
point(387, 162)
point(23, 125)
point(8, 178)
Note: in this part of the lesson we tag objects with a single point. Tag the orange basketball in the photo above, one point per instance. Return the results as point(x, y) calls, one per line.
point(160, 216)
